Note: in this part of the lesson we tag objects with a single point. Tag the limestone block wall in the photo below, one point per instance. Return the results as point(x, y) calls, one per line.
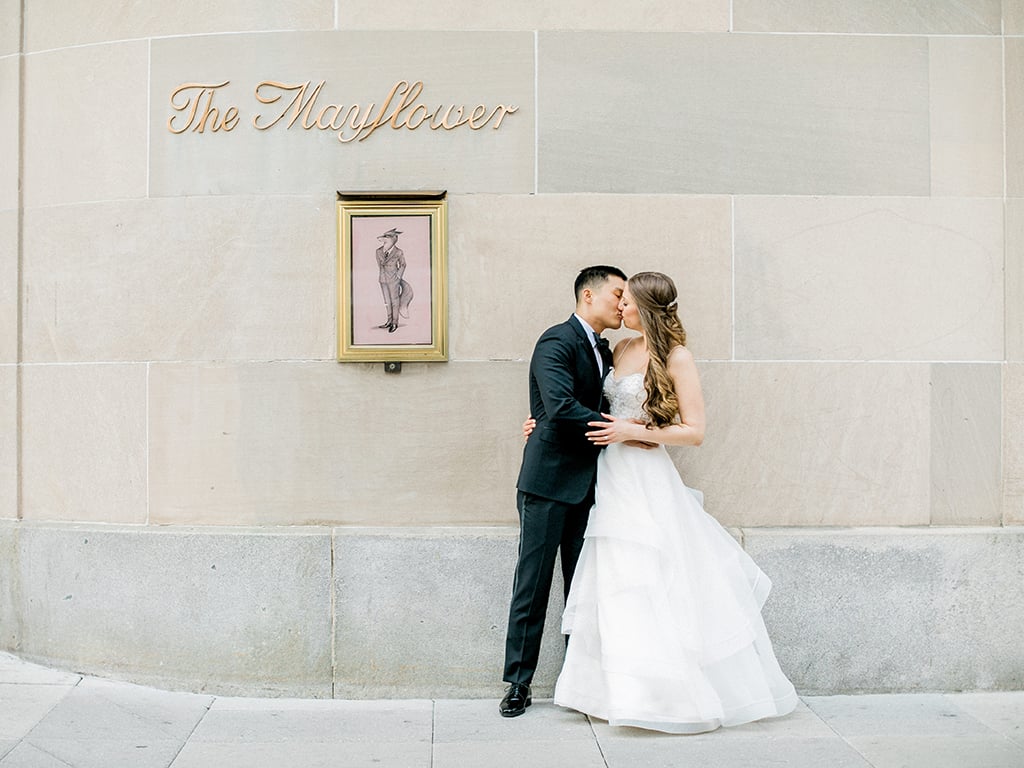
point(838, 189)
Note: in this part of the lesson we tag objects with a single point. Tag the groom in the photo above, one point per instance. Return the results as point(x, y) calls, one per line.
point(556, 480)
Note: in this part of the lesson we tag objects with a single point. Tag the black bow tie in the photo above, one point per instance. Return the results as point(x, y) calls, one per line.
point(604, 350)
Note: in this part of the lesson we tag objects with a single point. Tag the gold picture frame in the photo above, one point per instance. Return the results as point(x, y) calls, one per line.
point(392, 277)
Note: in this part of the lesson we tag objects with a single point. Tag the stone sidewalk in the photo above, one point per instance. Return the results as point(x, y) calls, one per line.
point(52, 719)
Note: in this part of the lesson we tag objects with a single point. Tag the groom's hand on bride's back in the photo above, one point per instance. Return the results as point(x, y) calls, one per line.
point(640, 444)
point(531, 423)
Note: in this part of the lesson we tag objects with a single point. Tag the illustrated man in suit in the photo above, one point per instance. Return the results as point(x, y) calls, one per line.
point(397, 292)
point(556, 480)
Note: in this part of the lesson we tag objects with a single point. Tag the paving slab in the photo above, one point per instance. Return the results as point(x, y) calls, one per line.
point(224, 703)
point(389, 722)
point(675, 751)
point(296, 755)
point(549, 753)
point(469, 720)
point(101, 710)
point(53, 719)
point(23, 705)
point(471, 732)
point(911, 714)
point(15, 670)
point(798, 740)
point(932, 751)
point(1003, 712)
point(25, 755)
point(94, 753)
point(800, 723)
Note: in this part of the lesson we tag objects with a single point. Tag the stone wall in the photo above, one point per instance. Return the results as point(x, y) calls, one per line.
point(838, 189)
point(358, 612)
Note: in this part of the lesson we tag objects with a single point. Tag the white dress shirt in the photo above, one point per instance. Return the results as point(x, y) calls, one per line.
point(593, 342)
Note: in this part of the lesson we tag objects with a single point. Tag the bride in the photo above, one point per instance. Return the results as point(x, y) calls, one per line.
point(664, 613)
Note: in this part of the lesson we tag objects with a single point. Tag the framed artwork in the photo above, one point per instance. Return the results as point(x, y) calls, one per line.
point(392, 277)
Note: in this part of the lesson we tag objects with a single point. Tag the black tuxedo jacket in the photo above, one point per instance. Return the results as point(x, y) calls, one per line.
point(565, 393)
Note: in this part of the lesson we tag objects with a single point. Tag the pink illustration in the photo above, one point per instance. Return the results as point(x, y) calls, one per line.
point(391, 301)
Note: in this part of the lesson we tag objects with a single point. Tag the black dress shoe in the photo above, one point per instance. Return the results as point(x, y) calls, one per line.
point(517, 699)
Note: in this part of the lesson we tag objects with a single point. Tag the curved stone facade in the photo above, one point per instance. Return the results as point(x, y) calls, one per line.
point(838, 196)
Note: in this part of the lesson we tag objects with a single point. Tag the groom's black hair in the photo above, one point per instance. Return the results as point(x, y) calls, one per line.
point(591, 277)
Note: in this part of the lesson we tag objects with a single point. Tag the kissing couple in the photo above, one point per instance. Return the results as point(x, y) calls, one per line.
point(662, 606)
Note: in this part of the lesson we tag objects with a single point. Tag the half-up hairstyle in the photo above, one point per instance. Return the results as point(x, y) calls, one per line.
point(655, 297)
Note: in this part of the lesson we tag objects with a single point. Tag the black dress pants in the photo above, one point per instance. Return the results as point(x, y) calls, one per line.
point(545, 526)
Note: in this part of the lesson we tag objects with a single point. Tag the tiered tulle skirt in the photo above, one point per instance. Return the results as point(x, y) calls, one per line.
point(664, 615)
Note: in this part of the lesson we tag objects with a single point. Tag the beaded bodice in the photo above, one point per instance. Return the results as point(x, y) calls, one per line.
point(626, 395)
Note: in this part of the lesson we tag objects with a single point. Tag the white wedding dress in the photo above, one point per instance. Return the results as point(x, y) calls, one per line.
point(664, 614)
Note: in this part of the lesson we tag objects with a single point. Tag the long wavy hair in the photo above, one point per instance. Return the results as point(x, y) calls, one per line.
point(655, 297)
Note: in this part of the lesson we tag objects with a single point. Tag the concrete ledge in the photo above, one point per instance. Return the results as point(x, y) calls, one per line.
point(895, 609)
point(236, 611)
point(423, 613)
point(420, 612)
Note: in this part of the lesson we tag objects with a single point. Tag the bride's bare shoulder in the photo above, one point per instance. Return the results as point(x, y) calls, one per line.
point(680, 359)
point(680, 353)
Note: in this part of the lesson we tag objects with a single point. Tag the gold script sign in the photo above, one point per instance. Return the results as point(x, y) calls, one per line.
point(299, 104)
